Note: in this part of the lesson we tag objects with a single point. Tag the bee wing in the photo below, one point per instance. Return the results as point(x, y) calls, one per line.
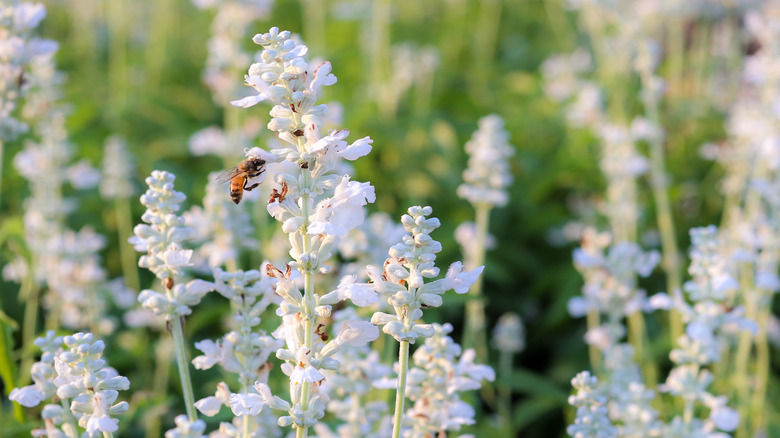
point(227, 175)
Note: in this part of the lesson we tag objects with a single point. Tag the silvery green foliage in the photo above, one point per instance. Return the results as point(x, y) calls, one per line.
point(402, 281)
point(244, 351)
point(80, 379)
point(441, 371)
point(117, 169)
point(488, 174)
point(161, 237)
point(350, 386)
point(701, 344)
point(222, 228)
point(18, 20)
point(592, 420)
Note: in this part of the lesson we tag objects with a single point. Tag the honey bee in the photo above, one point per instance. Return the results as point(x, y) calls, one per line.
point(240, 175)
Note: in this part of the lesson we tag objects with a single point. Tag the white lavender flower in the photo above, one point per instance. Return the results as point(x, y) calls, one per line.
point(442, 371)
point(80, 379)
point(161, 239)
point(702, 342)
point(228, 29)
point(316, 203)
point(592, 420)
point(402, 281)
point(117, 169)
point(488, 174)
point(244, 351)
point(185, 428)
point(20, 47)
point(509, 333)
point(351, 383)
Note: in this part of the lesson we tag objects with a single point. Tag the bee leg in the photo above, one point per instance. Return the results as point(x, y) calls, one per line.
point(250, 188)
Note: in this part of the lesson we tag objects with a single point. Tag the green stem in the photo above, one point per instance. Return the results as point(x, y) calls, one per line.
point(593, 319)
point(2, 149)
point(400, 393)
point(245, 421)
point(762, 373)
point(659, 183)
point(308, 291)
point(184, 370)
point(30, 290)
point(69, 417)
point(504, 392)
point(160, 378)
point(126, 252)
point(636, 335)
point(475, 336)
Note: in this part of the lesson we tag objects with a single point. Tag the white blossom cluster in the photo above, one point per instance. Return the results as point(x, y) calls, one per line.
point(610, 272)
point(628, 399)
point(222, 229)
point(244, 351)
point(20, 47)
point(702, 342)
point(368, 243)
point(350, 386)
point(488, 174)
point(186, 428)
point(509, 333)
point(442, 371)
point(64, 261)
point(316, 204)
point(228, 29)
point(161, 237)
point(402, 284)
point(117, 169)
point(86, 388)
point(410, 67)
point(592, 420)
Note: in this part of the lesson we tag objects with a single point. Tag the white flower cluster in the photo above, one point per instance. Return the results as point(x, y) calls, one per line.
point(351, 384)
point(161, 238)
point(244, 351)
point(442, 370)
point(402, 280)
point(186, 428)
point(629, 400)
point(19, 48)
point(610, 283)
point(316, 204)
point(702, 342)
point(368, 243)
point(303, 362)
point(488, 174)
point(78, 376)
point(228, 29)
point(117, 169)
point(222, 228)
point(592, 420)
point(509, 333)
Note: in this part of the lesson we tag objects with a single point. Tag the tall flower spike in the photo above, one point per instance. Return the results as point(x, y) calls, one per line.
point(592, 420)
point(488, 175)
point(402, 284)
point(316, 204)
point(402, 281)
point(80, 380)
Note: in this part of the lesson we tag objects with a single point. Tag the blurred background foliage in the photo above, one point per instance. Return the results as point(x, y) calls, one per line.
point(149, 90)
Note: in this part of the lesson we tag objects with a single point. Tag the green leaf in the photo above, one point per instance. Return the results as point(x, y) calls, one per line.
point(528, 382)
point(531, 410)
point(7, 367)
